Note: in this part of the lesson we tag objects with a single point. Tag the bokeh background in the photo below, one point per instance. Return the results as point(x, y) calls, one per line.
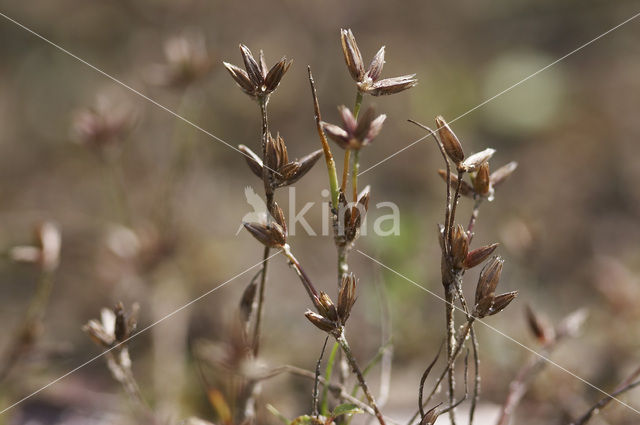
point(155, 222)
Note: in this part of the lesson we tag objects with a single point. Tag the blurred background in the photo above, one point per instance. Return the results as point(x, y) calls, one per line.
point(148, 206)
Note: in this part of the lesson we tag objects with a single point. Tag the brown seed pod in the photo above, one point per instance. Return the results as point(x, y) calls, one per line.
point(451, 144)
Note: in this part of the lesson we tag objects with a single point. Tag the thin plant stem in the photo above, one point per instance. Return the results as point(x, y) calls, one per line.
point(328, 157)
point(24, 337)
point(357, 104)
point(474, 217)
point(260, 304)
point(460, 342)
point(314, 408)
point(627, 385)
point(266, 176)
point(356, 369)
point(476, 357)
point(345, 170)
point(354, 176)
point(356, 154)
point(327, 377)
point(451, 346)
point(337, 390)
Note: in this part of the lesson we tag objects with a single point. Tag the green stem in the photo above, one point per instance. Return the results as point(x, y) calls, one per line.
point(358, 104)
point(328, 157)
point(354, 175)
point(324, 408)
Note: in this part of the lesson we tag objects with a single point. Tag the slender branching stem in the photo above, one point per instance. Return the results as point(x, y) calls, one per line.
point(337, 390)
point(459, 344)
point(451, 345)
point(266, 176)
point(340, 338)
point(627, 385)
point(476, 357)
point(328, 157)
point(454, 206)
point(448, 168)
point(474, 217)
point(306, 282)
point(119, 365)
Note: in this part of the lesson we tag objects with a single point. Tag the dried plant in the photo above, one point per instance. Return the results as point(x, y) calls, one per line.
point(112, 332)
point(44, 254)
point(234, 393)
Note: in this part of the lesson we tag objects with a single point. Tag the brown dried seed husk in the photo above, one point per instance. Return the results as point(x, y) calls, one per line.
point(475, 160)
point(271, 235)
point(306, 163)
point(319, 321)
point(489, 278)
point(352, 55)
point(252, 67)
point(503, 173)
point(278, 216)
point(483, 306)
point(253, 161)
point(390, 85)
point(346, 297)
point(375, 69)
point(246, 302)
point(273, 78)
point(482, 182)
point(537, 325)
point(459, 246)
point(451, 144)
point(502, 301)
point(241, 78)
point(478, 255)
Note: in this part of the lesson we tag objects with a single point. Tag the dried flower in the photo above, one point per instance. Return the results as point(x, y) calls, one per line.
point(45, 252)
point(474, 161)
point(368, 81)
point(104, 124)
point(115, 326)
point(346, 297)
point(320, 322)
point(503, 173)
point(355, 134)
point(539, 326)
point(459, 247)
point(187, 60)
point(271, 234)
point(482, 181)
point(489, 278)
point(286, 172)
point(484, 184)
point(257, 81)
point(350, 216)
point(487, 303)
point(478, 255)
point(451, 144)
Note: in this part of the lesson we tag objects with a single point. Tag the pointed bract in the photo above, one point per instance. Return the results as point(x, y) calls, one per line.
point(451, 144)
point(352, 55)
